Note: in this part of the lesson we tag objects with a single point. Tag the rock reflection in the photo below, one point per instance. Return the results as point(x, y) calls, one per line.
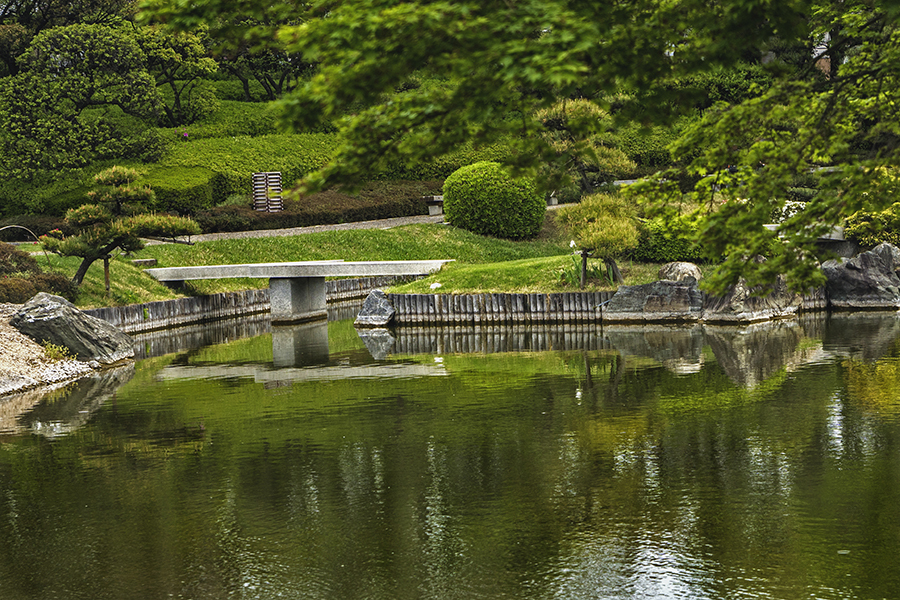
point(679, 349)
point(864, 336)
point(84, 398)
point(750, 355)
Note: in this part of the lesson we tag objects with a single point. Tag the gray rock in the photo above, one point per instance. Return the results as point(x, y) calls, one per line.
point(742, 305)
point(890, 254)
point(659, 301)
point(680, 271)
point(376, 311)
point(866, 281)
point(48, 318)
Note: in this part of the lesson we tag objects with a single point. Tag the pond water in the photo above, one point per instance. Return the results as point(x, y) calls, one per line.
point(307, 462)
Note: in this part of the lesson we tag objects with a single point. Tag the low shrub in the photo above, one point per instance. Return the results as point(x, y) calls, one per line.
point(375, 200)
point(16, 290)
point(37, 224)
point(484, 198)
point(21, 278)
point(56, 353)
point(14, 261)
point(55, 283)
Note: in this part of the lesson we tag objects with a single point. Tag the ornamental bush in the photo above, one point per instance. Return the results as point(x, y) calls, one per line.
point(484, 198)
point(869, 229)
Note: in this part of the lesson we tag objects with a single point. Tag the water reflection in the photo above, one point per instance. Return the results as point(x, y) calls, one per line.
point(622, 463)
point(84, 398)
point(748, 354)
point(66, 410)
point(300, 353)
point(300, 345)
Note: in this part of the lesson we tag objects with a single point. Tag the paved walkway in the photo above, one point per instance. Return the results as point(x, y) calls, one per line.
point(292, 231)
point(379, 224)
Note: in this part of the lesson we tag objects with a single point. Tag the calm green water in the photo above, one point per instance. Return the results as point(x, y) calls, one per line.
point(703, 463)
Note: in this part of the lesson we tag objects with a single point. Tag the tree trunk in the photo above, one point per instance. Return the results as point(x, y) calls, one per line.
point(106, 273)
point(612, 269)
point(584, 257)
point(245, 82)
point(86, 262)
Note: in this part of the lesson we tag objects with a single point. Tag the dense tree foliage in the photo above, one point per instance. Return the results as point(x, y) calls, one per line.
point(830, 67)
point(178, 61)
point(21, 20)
point(65, 72)
point(49, 115)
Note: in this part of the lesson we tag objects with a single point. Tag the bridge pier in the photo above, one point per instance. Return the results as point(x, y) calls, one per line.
point(297, 299)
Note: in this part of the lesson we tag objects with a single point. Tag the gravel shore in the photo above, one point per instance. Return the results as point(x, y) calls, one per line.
point(23, 364)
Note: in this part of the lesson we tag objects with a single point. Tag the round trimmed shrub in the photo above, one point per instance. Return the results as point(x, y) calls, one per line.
point(484, 198)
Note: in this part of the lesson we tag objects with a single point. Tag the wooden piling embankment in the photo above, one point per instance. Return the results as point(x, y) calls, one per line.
point(164, 314)
point(488, 339)
point(489, 309)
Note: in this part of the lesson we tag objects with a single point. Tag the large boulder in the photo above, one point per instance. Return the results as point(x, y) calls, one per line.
point(659, 301)
point(48, 318)
point(866, 281)
point(742, 304)
point(680, 271)
point(377, 311)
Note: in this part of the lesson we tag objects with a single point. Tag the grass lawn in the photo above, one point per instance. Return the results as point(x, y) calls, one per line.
point(544, 264)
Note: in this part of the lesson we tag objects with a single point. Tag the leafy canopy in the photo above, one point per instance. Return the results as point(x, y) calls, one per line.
point(833, 67)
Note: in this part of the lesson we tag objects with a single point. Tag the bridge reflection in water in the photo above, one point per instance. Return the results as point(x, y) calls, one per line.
point(747, 354)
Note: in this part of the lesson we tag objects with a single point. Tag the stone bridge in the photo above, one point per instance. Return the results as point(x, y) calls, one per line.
point(296, 289)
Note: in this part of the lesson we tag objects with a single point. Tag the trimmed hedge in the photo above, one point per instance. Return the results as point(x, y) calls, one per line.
point(47, 193)
point(184, 190)
point(484, 198)
point(375, 200)
point(235, 159)
point(230, 119)
point(37, 224)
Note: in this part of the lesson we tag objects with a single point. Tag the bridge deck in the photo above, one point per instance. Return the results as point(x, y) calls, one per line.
point(290, 270)
point(297, 289)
